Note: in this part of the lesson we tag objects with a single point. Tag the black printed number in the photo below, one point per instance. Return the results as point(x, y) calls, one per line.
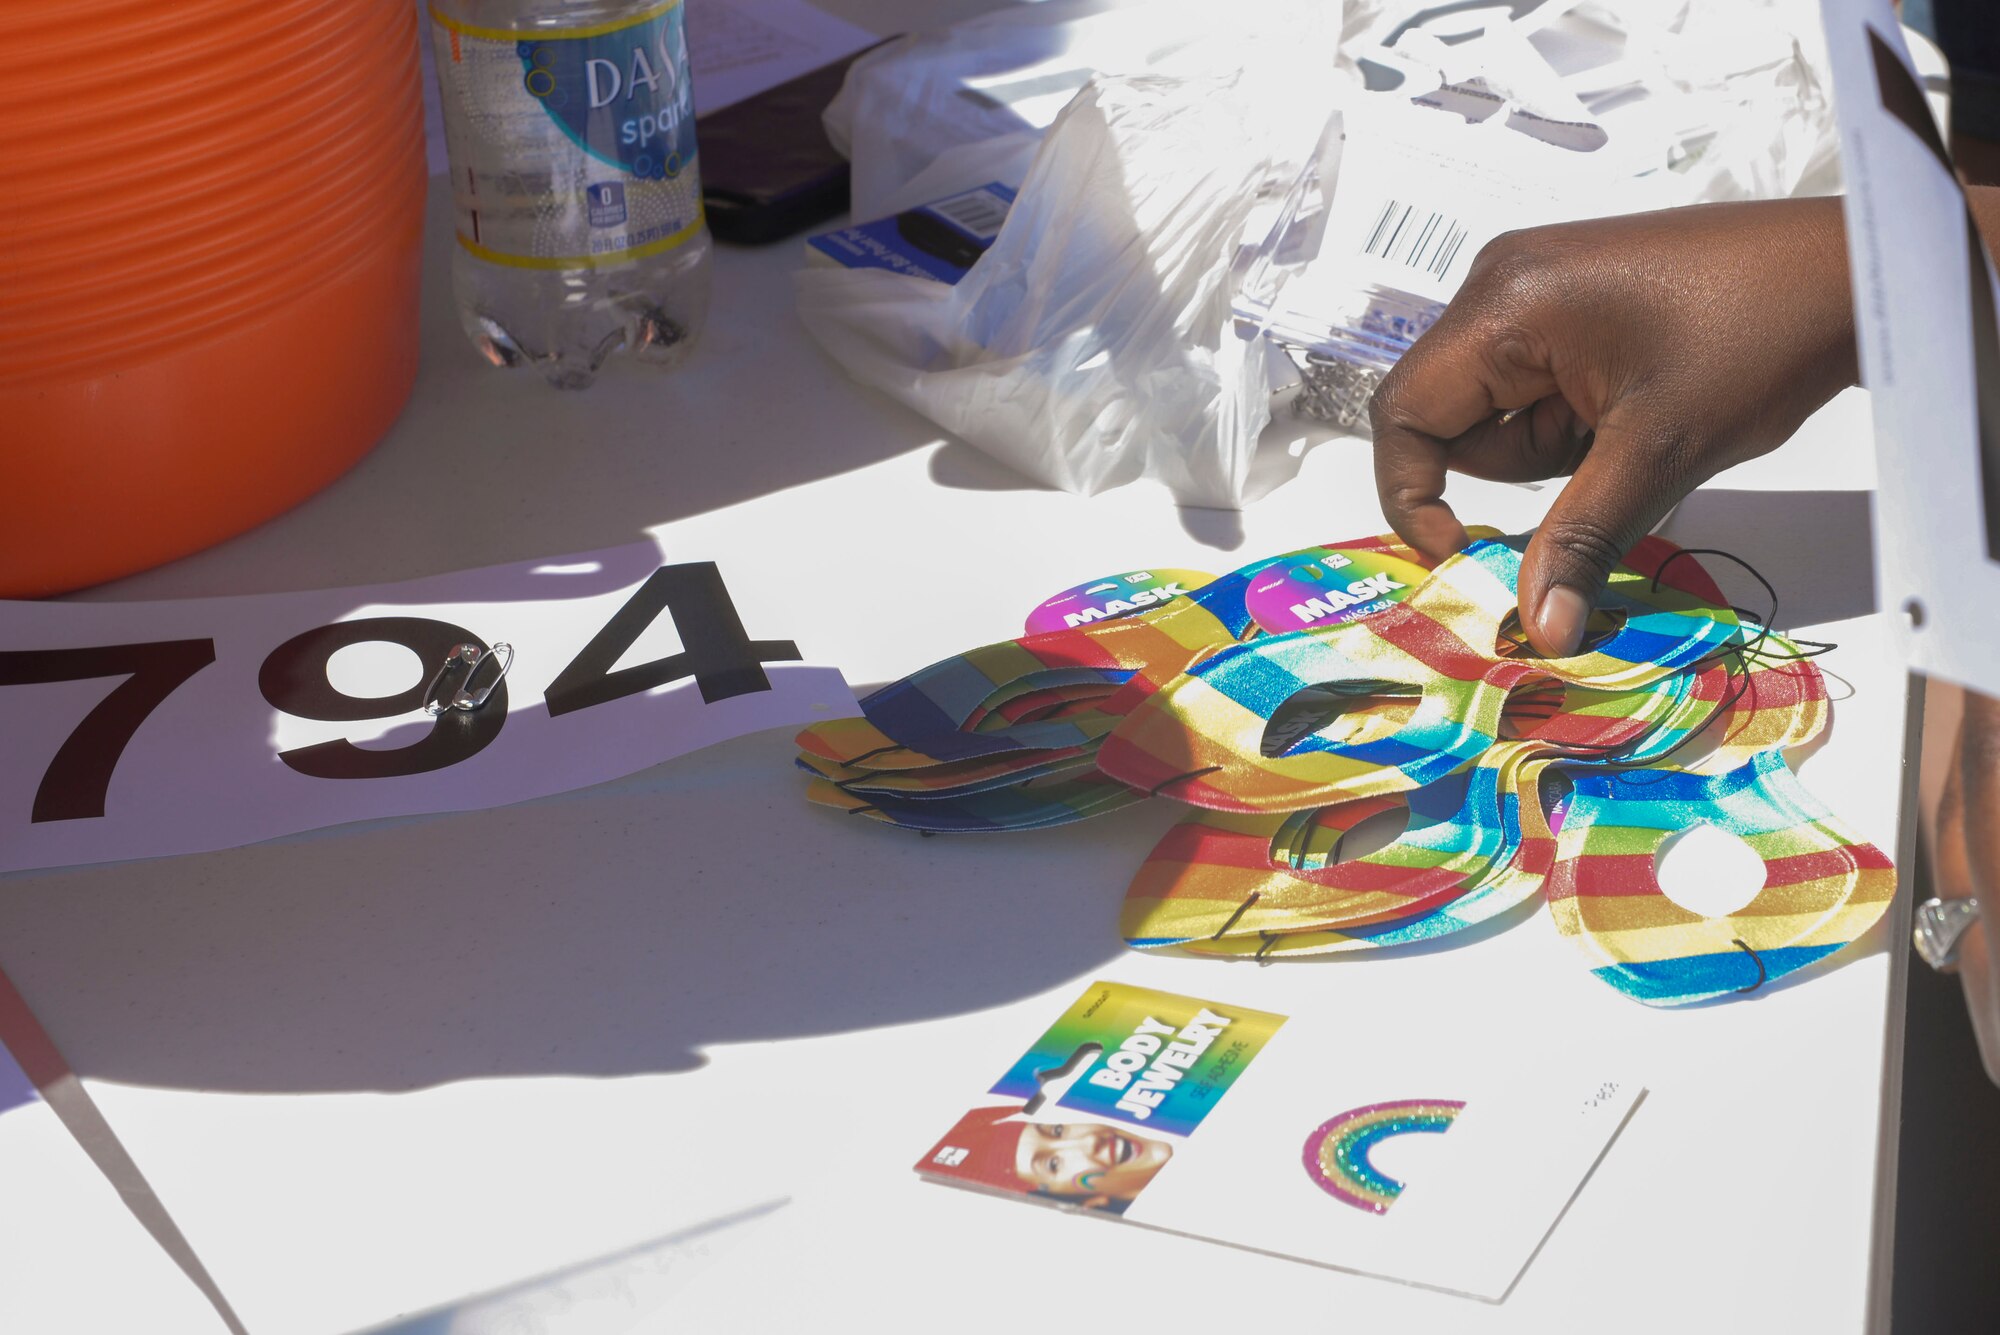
point(293, 679)
point(721, 658)
point(74, 785)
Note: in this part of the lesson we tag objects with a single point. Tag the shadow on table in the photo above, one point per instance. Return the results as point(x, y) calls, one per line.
point(612, 1290)
point(617, 930)
point(1281, 452)
point(1817, 548)
point(486, 467)
point(613, 931)
point(966, 468)
point(625, 928)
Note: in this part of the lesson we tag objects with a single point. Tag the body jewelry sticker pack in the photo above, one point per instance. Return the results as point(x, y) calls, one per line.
point(1215, 1120)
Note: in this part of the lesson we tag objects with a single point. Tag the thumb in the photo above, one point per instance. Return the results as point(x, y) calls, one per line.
point(1622, 488)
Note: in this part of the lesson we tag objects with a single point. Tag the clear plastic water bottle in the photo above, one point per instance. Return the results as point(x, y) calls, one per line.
point(570, 125)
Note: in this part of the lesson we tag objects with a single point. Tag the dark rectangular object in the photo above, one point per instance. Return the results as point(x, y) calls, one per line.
point(767, 170)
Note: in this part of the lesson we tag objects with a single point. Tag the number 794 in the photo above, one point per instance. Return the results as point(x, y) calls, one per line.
point(717, 654)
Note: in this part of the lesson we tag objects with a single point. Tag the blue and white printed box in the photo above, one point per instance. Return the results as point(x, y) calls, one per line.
point(940, 240)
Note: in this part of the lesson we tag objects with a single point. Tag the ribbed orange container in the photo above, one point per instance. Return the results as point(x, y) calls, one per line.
point(210, 216)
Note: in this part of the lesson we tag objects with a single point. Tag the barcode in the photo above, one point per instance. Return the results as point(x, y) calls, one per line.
point(979, 212)
point(1415, 237)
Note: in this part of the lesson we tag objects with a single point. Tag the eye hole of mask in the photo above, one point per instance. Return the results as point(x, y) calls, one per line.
point(1708, 870)
point(1307, 841)
point(1342, 711)
point(1529, 705)
point(1512, 641)
point(1372, 835)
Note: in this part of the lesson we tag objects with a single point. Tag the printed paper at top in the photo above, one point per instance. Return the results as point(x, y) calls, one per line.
point(298, 711)
point(1166, 1059)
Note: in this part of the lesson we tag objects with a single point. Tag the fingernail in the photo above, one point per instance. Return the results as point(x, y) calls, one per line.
point(1560, 619)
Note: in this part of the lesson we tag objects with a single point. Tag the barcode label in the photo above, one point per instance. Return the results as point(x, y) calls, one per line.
point(1415, 237)
point(979, 212)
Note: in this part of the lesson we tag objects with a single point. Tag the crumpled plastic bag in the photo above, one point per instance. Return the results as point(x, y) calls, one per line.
point(1479, 121)
point(1092, 344)
point(1738, 85)
point(1701, 99)
point(1099, 339)
point(1003, 75)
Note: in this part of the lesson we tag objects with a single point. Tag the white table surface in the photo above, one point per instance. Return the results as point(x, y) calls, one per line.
point(659, 1055)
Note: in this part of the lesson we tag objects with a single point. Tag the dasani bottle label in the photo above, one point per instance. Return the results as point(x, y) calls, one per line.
point(607, 112)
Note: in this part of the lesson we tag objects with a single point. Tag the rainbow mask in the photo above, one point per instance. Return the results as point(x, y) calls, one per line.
point(1205, 738)
point(1193, 887)
point(1055, 800)
point(988, 740)
point(1231, 885)
point(1823, 886)
point(1285, 743)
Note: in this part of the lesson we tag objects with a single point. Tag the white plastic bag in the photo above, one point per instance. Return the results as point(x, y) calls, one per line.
point(1004, 75)
point(1092, 344)
point(1485, 119)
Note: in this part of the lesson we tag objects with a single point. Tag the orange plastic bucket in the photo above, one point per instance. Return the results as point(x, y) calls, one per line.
point(209, 252)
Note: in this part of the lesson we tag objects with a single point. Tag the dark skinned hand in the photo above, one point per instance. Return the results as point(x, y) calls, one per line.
point(1640, 355)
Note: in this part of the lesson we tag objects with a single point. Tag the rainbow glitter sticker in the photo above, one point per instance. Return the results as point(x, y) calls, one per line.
point(1325, 586)
point(1336, 1153)
point(1165, 1060)
point(1116, 596)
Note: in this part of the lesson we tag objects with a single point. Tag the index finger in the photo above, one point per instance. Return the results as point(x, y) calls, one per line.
point(1452, 379)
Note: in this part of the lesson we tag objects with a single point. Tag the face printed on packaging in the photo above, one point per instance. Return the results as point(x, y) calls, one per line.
point(1089, 1164)
point(1087, 1161)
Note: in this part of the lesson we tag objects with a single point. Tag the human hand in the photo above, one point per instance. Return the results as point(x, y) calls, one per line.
point(1639, 355)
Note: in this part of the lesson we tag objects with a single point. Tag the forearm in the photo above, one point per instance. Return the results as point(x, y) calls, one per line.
point(1985, 202)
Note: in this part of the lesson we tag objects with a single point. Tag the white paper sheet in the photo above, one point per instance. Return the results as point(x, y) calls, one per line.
point(1930, 355)
point(1198, 1116)
point(739, 48)
point(1481, 1197)
point(141, 729)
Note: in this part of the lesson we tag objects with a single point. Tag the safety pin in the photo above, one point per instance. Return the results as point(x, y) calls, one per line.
point(472, 658)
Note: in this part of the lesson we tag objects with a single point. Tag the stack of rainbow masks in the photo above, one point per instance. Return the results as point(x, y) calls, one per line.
point(1285, 741)
point(1006, 737)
